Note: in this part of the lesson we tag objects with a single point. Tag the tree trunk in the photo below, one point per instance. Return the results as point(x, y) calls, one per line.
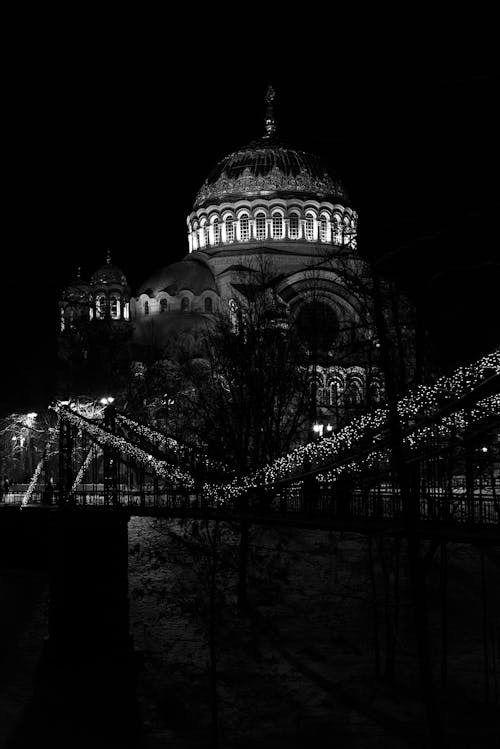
point(214, 703)
point(444, 616)
point(376, 639)
point(243, 569)
point(410, 499)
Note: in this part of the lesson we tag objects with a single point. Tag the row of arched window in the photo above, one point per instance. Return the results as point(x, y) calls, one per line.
point(208, 305)
point(335, 393)
point(112, 306)
point(249, 226)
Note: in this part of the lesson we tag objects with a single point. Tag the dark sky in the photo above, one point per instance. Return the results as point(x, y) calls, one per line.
point(108, 149)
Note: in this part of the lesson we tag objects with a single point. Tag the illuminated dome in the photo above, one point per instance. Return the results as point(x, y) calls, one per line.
point(270, 192)
point(190, 274)
point(268, 167)
point(108, 274)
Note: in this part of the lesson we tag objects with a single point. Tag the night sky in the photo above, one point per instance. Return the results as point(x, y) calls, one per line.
point(106, 149)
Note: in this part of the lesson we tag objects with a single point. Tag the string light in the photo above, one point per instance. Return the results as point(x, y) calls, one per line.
point(423, 401)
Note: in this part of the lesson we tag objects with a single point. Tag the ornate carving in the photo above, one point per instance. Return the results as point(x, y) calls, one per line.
point(248, 183)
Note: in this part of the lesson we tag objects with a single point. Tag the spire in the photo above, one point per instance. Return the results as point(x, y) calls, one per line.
point(270, 121)
point(108, 257)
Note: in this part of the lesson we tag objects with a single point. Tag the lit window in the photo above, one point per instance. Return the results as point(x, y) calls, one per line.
point(101, 306)
point(309, 227)
point(294, 226)
point(146, 308)
point(113, 305)
point(260, 226)
point(229, 229)
point(244, 229)
point(323, 227)
point(208, 305)
point(336, 230)
point(62, 319)
point(163, 305)
point(185, 304)
point(216, 231)
point(277, 226)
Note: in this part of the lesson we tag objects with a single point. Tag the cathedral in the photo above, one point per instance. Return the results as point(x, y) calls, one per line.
point(266, 201)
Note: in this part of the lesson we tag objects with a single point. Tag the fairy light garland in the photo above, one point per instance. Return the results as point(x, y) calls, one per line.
point(31, 487)
point(168, 443)
point(105, 439)
point(79, 476)
point(33, 482)
point(422, 401)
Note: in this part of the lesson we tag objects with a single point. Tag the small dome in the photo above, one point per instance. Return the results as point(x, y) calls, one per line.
point(108, 274)
point(77, 290)
point(268, 166)
point(191, 274)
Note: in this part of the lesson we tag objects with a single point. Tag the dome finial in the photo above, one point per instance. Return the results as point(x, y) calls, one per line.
point(108, 256)
point(270, 121)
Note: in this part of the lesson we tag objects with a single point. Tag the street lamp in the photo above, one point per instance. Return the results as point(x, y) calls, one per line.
point(107, 400)
point(318, 429)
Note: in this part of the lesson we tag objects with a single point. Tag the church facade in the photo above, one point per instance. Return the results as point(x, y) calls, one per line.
point(266, 202)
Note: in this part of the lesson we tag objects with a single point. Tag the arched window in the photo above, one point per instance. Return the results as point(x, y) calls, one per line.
point(216, 230)
point(184, 304)
point(101, 306)
point(207, 235)
point(336, 230)
point(260, 226)
point(62, 320)
point(294, 226)
point(353, 394)
point(113, 307)
point(244, 228)
point(146, 308)
point(163, 305)
point(323, 228)
point(309, 227)
point(208, 305)
point(277, 226)
point(229, 229)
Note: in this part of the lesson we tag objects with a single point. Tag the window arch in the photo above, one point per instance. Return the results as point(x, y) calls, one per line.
point(184, 304)
point(146, 308)
point(260, 226)
point(208, 305)
point(244, 228)
point(323, 228)
point(216, 231)
point(163, 305)
point(309, 227)
point(353, 394)
point(294, 226)
point(277, 226)
point(229, 229)
point(101, 306)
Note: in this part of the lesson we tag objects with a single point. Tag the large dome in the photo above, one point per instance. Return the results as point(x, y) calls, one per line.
point(264, 167)
point(191, 274)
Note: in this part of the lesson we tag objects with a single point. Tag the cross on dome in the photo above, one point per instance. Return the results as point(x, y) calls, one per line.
point(270, 121)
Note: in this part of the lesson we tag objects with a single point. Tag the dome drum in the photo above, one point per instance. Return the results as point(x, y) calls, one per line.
point(260, 221)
